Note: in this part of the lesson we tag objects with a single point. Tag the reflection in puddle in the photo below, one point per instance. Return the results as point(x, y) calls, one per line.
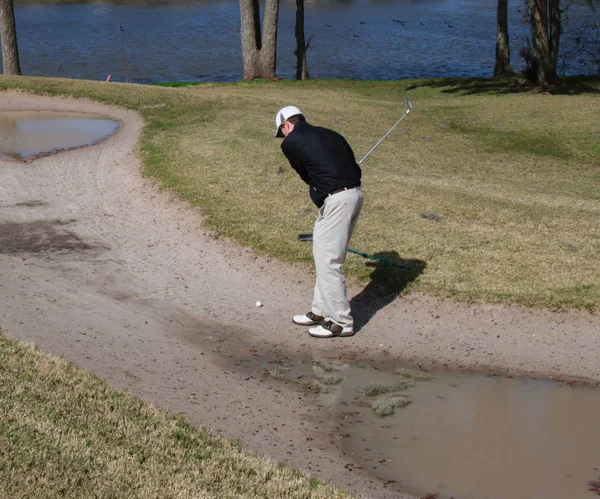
point(29, 133)
point(462, 435)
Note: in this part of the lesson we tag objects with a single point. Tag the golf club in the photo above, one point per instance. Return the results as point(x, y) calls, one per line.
point(308, 237)
point(409, 104)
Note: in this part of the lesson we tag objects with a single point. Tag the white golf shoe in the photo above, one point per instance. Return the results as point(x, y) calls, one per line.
point(330, 329)
point(308, 319)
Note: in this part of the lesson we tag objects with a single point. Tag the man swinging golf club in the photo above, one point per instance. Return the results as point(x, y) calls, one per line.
point(326, 162)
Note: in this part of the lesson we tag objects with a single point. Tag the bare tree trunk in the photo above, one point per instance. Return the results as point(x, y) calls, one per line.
point(8, 38)
point(555, 31)
point(301, 69)
point(502, 66)
point(545, 74)
point(251, 40)
point(268, 52)
point(259, 51)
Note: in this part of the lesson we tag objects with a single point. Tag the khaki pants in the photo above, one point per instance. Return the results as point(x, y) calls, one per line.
point(331, 237)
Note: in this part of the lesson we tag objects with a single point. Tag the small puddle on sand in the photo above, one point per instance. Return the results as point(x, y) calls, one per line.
point(26, 134)
point(462, 435)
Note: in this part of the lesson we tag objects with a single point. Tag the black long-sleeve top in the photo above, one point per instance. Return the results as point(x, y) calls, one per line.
point(322, 158)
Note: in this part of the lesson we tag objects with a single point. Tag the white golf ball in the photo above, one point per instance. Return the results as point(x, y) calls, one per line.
point(258, 304)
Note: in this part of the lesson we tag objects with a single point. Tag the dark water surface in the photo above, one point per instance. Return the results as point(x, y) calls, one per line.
point(199, 40)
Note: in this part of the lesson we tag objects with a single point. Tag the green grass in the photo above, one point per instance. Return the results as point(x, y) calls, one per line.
point(387, 405)
point(331, 379)
point(65, 433)
point(415, 376)
point(512, 173)
point(374, 388)
point(277, 373)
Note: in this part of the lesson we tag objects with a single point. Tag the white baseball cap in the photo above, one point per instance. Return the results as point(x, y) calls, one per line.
point(284, 114)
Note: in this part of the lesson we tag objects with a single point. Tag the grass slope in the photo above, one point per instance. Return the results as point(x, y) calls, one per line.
point(65, 433)
point(488, 192)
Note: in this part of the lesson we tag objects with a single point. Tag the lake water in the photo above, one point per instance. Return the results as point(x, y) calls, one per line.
point(198, 40)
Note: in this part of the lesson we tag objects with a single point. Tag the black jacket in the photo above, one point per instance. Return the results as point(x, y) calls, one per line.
point(322, 158)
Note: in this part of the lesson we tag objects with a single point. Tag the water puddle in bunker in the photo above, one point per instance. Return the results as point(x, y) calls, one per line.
point(27, 134)
point(457, 435)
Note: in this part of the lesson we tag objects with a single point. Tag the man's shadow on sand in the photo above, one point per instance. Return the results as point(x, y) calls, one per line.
point(388, 280)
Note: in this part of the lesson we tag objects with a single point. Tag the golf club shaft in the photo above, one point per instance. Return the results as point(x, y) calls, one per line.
point(388, 132)
point(308, 237)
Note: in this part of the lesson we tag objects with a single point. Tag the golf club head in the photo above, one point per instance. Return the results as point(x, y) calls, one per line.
point(305, 237)
point(409, 104)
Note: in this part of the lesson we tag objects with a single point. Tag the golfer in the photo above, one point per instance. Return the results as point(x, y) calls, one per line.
point(326, 162)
